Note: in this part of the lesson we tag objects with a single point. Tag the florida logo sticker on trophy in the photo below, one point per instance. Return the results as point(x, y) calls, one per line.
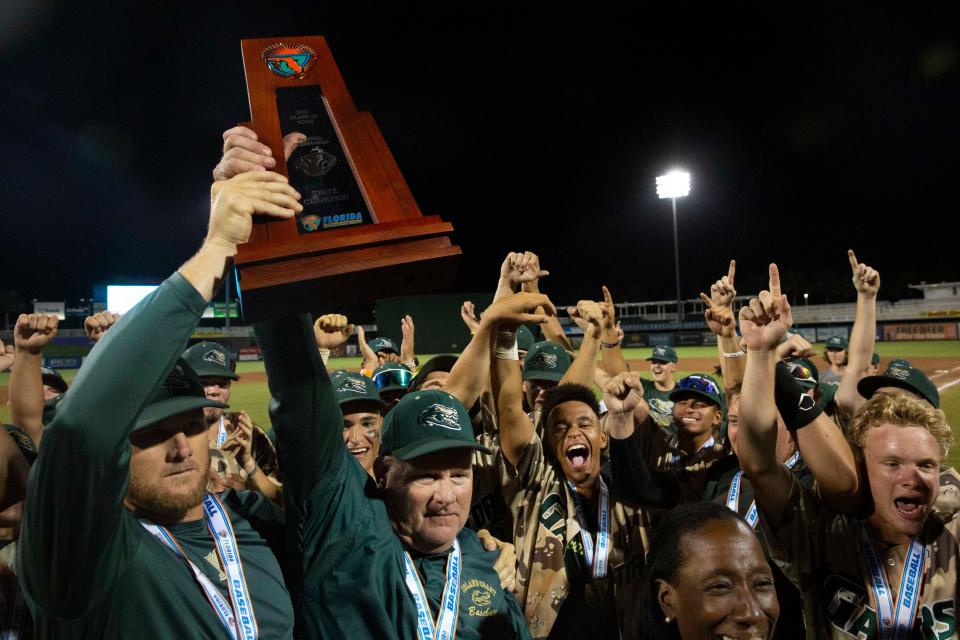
point(289, 60)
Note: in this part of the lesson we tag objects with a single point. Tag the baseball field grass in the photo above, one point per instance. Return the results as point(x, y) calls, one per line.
point(938, 359)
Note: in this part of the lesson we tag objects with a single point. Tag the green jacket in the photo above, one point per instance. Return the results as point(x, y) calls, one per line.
point(88, 567)
point(349, 565)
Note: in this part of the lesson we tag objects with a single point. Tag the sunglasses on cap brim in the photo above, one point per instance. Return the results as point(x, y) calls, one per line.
point(696, 383)
point(393, 378)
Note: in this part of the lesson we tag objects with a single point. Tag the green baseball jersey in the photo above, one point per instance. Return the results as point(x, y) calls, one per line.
point(88, 567)
point(347, 563)
point(661, 406)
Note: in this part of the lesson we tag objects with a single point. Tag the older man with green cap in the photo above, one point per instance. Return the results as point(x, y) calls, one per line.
point(241, 454)
point(382, 557)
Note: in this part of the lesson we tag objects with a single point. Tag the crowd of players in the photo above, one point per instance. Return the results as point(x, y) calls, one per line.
point(489, 494)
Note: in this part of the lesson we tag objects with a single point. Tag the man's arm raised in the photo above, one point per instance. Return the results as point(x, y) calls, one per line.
point(31, 334)
point(516, 428)
point(719, 316)
point(866, 281)
point(763, 324)
point(75, 543)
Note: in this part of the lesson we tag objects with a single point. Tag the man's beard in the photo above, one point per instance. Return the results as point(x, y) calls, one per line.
point(150, 501)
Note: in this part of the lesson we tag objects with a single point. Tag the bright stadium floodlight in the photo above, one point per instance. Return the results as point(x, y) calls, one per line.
point(673, 185)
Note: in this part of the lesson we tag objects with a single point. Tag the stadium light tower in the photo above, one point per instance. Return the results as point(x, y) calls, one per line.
point(673, 185)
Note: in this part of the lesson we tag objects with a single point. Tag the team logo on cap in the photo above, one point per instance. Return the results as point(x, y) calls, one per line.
point(215, 356)
point(288, 60)
point(898, 373)
point(438, 415)
point(544, 359)
point(44, 371)
point(352, 385)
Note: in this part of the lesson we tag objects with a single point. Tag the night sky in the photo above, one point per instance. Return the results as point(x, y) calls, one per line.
point(805, 133)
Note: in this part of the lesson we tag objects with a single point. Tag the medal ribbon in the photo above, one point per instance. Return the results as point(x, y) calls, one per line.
point(239, 618)
point(603, 535)
point(445, 626)
point(895, 619)
point(221, 434)
point(733, 496)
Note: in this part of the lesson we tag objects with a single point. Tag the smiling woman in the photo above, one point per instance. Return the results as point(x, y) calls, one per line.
point(707, 577)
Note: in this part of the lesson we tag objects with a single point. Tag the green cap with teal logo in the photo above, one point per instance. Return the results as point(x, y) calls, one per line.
point(180, 392)
point(700, 385)
point(663, 353)
point(546, 361)
point(425, 422)
point(353, 387)
point(836, 342)
point(909, 378)
point(383, 345)
point(210, 359)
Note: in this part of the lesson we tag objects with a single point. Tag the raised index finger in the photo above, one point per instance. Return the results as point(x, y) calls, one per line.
point(607, 298)
point(774, 280)
point(853, 260)
point(731, 271)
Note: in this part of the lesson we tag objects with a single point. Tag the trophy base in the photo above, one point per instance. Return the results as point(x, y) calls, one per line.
point(354, 266)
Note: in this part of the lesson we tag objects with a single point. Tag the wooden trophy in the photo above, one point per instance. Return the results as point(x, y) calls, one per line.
point(361, 235)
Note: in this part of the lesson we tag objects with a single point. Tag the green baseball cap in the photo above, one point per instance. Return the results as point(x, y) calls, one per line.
point(699, 385)
point(546, 360)
point(909, 378)
point(436, 363)
point(179, 393)
point(663, 353)
point(385, 345)
point(525, 339)
point(425, 422)
point(210, 359)
point(392, 375)
point(353, 387)
point(808, 376)
point(836, 342)
point(53, 379)
point(875, 358)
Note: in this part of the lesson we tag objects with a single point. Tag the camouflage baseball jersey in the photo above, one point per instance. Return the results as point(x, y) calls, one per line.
point(661, 450)
point(823, 554)
point(548, 542)
point(488, 509)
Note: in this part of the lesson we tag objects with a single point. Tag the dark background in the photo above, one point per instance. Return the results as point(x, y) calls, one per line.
point(806, 133)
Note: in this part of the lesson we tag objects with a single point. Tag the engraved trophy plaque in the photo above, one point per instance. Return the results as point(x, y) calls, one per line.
point(360, 235)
